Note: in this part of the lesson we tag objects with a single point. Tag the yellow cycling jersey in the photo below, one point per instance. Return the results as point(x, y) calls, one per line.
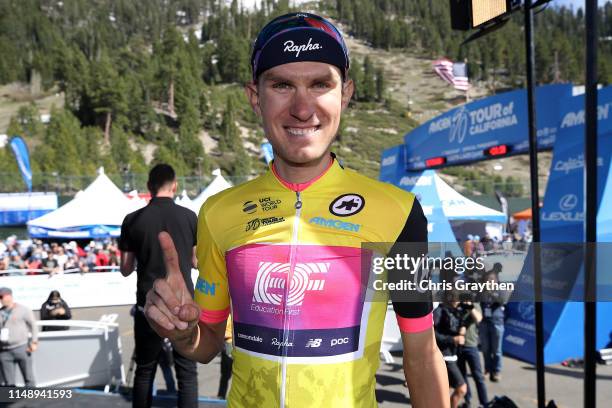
point(287, 261)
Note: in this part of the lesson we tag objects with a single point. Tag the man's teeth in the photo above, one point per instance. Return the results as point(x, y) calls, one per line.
point(301, 131)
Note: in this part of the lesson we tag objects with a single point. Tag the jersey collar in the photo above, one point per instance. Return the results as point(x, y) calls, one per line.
point(298, 187)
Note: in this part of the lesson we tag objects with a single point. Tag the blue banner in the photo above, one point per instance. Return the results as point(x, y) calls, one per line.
point(266, 148)
point(562, 220)
point(23, 160)
point(463, 134)
point(562, 216)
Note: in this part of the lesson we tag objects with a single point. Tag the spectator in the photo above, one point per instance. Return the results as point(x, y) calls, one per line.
point(34, 262)
point(101, 256)
point(55, 308)
point(478, 248)
point(16, 263)
point(468, 246)
point(226, 360)
point(59, 254)
point(492, 329)
point(3, 262)
point(450, 334)
point(50, 266)
point(18, 339)
point(469, 354)
point(140, 247)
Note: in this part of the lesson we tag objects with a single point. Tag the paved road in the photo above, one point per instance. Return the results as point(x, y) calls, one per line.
point(564, 385)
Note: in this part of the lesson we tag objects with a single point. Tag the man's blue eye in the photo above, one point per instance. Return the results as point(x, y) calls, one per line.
point(281, 85)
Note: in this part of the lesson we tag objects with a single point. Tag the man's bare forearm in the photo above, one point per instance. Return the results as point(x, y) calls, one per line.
point(208, 341)
point(427, 380)
point(425, 370)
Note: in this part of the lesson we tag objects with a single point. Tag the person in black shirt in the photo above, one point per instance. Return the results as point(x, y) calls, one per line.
point(139, 245)
point(55, 308)
point(450, 328)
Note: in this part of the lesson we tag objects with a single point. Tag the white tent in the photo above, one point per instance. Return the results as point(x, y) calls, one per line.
point(444, 207)
point(184, 200)
point(217, 185)
point(96, 212)
point(458, 207)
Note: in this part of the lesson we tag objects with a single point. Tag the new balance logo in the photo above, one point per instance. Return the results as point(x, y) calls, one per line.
point(313, 343)
point(272, 278)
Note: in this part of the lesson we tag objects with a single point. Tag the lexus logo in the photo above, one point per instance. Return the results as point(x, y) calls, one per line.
point(568, 202)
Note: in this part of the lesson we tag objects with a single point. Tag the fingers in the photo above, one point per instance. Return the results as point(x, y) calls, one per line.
point(164, 301)
point(170, 256)
point(190, 313)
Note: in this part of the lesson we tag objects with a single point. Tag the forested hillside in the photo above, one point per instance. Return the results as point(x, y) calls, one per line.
point(134, 83)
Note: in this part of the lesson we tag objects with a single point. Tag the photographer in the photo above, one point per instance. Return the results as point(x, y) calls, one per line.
point(450, 327)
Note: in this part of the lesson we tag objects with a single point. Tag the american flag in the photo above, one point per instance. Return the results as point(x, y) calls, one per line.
point(455, 73)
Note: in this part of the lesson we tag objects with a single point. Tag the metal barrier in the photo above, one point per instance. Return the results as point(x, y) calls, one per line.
point(87, 355)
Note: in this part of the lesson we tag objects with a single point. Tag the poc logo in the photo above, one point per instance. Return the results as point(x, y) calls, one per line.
point(272, 279)
point(313, 343)
point(337, 342)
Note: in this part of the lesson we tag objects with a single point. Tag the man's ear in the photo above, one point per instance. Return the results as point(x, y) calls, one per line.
point(348, 87)
point(253, 96)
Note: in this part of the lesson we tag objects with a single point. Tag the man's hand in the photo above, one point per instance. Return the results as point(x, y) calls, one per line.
point(169, 308)
point(32, 347)
point(459, 340)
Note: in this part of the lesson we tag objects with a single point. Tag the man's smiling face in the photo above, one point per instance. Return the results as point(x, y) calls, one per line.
point(300, 105)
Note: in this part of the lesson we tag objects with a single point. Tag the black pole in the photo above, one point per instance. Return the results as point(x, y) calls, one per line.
point(535, 204)
point(590, 194)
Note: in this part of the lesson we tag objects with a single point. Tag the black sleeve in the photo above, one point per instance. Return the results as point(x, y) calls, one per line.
point(413, 304)
point(194, 224)
point(44, 313)
point(125, 243)
point(68, 314)
point(441, 339)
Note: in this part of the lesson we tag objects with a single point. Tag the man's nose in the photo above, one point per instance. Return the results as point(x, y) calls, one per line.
point(302, 104)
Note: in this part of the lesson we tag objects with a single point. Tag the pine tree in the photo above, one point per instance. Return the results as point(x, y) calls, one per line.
point(369, 81)
point(242, 165)
point(230, 135)
point(108, 93)
point(380, 85)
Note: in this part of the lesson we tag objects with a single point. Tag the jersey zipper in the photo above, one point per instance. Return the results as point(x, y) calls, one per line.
point(286, 317)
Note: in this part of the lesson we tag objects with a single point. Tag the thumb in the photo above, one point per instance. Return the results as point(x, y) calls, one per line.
point(190, 313)
point(174, 276)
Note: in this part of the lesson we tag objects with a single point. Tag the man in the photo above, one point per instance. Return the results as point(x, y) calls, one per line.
point(285, 249)
point(469, 355)
point(492, 326)
point(449, 321)
point(139, 245)
point(18, 339)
